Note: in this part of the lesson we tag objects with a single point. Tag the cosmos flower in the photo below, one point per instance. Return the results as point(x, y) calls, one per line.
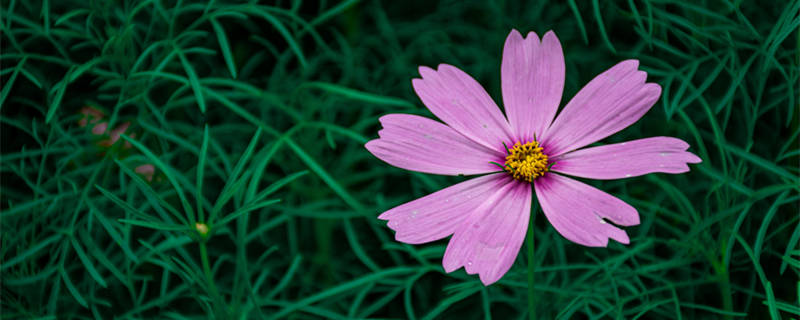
point(92, 115)
point(529, 149)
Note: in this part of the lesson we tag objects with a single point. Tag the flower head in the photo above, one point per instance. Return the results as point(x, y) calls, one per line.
point(92, 115)
point(201, 228)
point(488, 216)
point(89, 115)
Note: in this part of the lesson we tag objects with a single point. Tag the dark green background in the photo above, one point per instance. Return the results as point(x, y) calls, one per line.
point(239, 103)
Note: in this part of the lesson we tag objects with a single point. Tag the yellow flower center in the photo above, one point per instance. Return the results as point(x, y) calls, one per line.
point(526, 161)
point(201, 228)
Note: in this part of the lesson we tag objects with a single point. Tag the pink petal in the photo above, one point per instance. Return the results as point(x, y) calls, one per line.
point(127, 144)
point(609, 103)
point(421, 144)
point(146, 170)
point(532, 76)
point(576, 210)
point(90, 114)
point(100, 128)
point(488, 242)
point(118, 131)
point(437, 215)
point(627, 159)
point(114, 135)
point(460, 101)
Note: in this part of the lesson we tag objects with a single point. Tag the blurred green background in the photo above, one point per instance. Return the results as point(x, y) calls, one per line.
point(254, 116)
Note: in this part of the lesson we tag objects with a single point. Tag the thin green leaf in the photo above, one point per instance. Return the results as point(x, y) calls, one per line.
point(25, 255)
point(286, 277)
point(114, 234)
point(233, 180)
point(224, 46)
point(193, 80)
point(87, 264)
point(201, 169)
point(71, 288)
point(579, 20)
point(340, 288)
point(61, 88)
point(286, 35)
point(156, 200)
point(359, 95)
point(10, 83)
point(279, 184)
point(770, 302)
point(244, 210)
point(155, 225)
point(601, 26)
point(447, 302)
point(765, 222)
point(167, 172)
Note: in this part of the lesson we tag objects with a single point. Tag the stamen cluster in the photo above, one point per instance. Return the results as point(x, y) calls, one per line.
point(526, 162)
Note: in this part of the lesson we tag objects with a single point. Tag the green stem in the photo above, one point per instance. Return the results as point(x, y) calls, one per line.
point(724, 282)
point(531, 264)
point(209, 277)
point(725, 291)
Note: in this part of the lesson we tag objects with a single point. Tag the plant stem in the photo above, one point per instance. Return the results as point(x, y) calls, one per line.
point(212, 288)
point(531, 249)
point(725, 291)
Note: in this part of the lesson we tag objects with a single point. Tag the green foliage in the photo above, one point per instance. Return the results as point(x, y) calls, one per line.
point(264, 201)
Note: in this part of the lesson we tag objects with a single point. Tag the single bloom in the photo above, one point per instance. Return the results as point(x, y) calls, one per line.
point(527, 149)
point(94, 116)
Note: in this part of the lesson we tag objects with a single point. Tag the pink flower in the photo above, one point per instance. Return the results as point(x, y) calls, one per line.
point(92, 115)
point(89, 115)
point(114, 135)
point(100, 128)
point(527, 149)
point(146, 170)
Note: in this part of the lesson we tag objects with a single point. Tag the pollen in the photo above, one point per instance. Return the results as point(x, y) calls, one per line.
point(526, 162)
